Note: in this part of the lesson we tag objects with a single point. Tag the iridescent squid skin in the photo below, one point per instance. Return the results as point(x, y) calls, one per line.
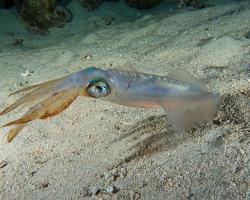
point(185, 100)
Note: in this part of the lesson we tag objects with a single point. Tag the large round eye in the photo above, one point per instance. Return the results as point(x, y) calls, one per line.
point(98, 89)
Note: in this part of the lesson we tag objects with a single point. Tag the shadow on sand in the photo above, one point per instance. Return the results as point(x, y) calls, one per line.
point(155, 134)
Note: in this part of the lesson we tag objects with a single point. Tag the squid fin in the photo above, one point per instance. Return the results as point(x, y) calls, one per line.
point(189, 113)
point(185, 76)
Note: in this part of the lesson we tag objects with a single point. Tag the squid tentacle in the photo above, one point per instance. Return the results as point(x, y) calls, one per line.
point(50, 98)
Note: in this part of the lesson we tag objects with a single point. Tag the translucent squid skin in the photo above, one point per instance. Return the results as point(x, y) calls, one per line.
point(185, 100)
point(145, 90)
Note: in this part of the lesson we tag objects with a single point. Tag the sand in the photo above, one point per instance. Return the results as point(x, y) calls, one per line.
point(99, 150)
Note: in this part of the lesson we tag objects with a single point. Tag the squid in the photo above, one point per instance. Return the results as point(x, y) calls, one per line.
point(186, 101)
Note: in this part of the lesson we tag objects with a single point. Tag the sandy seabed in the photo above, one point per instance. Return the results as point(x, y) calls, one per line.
point(99, 150)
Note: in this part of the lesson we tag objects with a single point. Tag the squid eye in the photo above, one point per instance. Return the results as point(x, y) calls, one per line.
point(98, 89)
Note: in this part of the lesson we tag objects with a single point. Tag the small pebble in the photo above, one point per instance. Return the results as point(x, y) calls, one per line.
point(3, 163)
point(21, 84)
point(115, 172)
point(85, 192)
point(123, 173)
point(18, 42)
point(108, 20)
point(111, 189)
point(42, 185)
point(88, 57)
point(94, 190)
point(45, 185)
point(169, 183)
point(27, 73)
point(134, 195)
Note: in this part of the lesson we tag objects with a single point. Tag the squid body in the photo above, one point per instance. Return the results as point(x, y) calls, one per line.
point(185, 100)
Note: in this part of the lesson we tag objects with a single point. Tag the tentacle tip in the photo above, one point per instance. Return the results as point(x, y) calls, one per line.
point(9, 139)
point(5, 111)
point(5, 125)
point(13, 132)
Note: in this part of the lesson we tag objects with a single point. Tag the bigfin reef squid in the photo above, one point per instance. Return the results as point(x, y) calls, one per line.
point(185, 100)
